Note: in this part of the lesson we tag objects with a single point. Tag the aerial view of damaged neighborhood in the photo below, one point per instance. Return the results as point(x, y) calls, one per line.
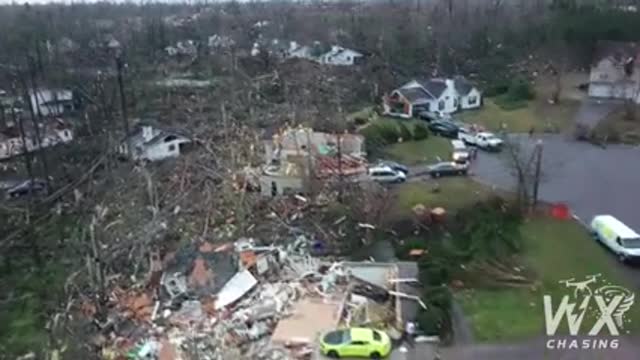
point(320, 179)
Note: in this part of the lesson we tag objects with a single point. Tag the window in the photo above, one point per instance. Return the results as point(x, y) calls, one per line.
point(472, 100)
point(455, 102)
point(604, 76)
point(441, 105)
point(632, 243)
point(447, 97)
point(172, 147)
point(349, 58)
point(376, 336)
point(170, 138)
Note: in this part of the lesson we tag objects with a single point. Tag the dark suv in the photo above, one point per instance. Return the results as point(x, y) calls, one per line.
point(444, 128)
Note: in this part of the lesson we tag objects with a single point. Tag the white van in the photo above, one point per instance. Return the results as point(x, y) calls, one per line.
point(618, 237)
point(385, 174)
point(460, 153)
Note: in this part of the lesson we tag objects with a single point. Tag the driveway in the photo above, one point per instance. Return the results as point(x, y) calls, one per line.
point(592, 111)
point(590, 179)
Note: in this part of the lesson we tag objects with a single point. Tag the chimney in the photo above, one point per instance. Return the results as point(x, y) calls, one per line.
point(147, 132)
point(335, 48)
point(293, 45)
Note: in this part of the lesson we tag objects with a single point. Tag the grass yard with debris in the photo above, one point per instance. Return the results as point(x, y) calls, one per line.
point(453, 193)
point(536, 114)
point(555, 250)
point(616, 128)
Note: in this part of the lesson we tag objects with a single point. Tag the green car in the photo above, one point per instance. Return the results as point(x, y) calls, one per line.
point(356, 342)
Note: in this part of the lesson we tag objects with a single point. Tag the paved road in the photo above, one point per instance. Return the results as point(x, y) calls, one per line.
point(628, 349)
point(592, 111)
point(590, 179)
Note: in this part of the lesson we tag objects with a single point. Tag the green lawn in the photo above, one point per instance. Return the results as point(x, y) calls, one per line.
point(454, 193)
point(555, 250)
point(420, 152)
point(537, 114)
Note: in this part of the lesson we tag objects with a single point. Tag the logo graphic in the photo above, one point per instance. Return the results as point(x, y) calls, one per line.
point(607, 305)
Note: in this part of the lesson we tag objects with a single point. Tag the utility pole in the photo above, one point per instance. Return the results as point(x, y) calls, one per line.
point(536, 179)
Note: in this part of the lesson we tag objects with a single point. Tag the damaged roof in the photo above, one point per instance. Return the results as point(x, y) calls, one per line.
point(206, 269)
point(618, 51)
point(408, 270)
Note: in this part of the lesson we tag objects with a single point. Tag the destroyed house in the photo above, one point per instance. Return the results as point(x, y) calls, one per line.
point(297, 153)
point(52, 102)
point(615, 71)
point(51, 133)
point(199, 270)
point(152, 144)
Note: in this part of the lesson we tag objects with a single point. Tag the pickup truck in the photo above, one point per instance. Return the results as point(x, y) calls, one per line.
point(483, 140)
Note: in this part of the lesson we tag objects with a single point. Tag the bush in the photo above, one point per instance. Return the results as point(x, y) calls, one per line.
point(520, 89)
point(404, 133)
point(488, 230)
point(497, 88)
point(360, 120)
point(519, 92)
point(436, 319)
point(420, 132)
point(434, 272)
point(377, 136)
point(389, 133)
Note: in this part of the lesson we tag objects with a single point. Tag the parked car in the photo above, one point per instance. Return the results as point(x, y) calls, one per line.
point(484, 140)
point(444, 128)
point(618, 237)
point(385, 174)
point(428, 116)
point(460, 153)
point(395, 166)
point(448, 168)
point(356, 342)
point(35, 187)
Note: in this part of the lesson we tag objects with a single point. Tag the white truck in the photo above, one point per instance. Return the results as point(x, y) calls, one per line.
point(618, 237)
point(484, 140)
point(460, 153)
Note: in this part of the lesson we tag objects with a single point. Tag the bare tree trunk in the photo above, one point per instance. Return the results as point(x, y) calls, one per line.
point(26, 154)
point(3, 119)
point(36, 119)
point(123, 102)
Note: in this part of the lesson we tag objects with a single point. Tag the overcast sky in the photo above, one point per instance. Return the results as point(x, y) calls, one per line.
point(20, 2)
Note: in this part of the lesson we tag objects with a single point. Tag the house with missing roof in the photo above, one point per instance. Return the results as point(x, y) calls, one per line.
point(341, 57)
point(294, 154)
point(147, 143)
point(50, 133)
point(615, 71)
point(52, 102)
point(442, 96)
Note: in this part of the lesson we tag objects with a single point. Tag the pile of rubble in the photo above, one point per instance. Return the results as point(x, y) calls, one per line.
point(240, 300)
